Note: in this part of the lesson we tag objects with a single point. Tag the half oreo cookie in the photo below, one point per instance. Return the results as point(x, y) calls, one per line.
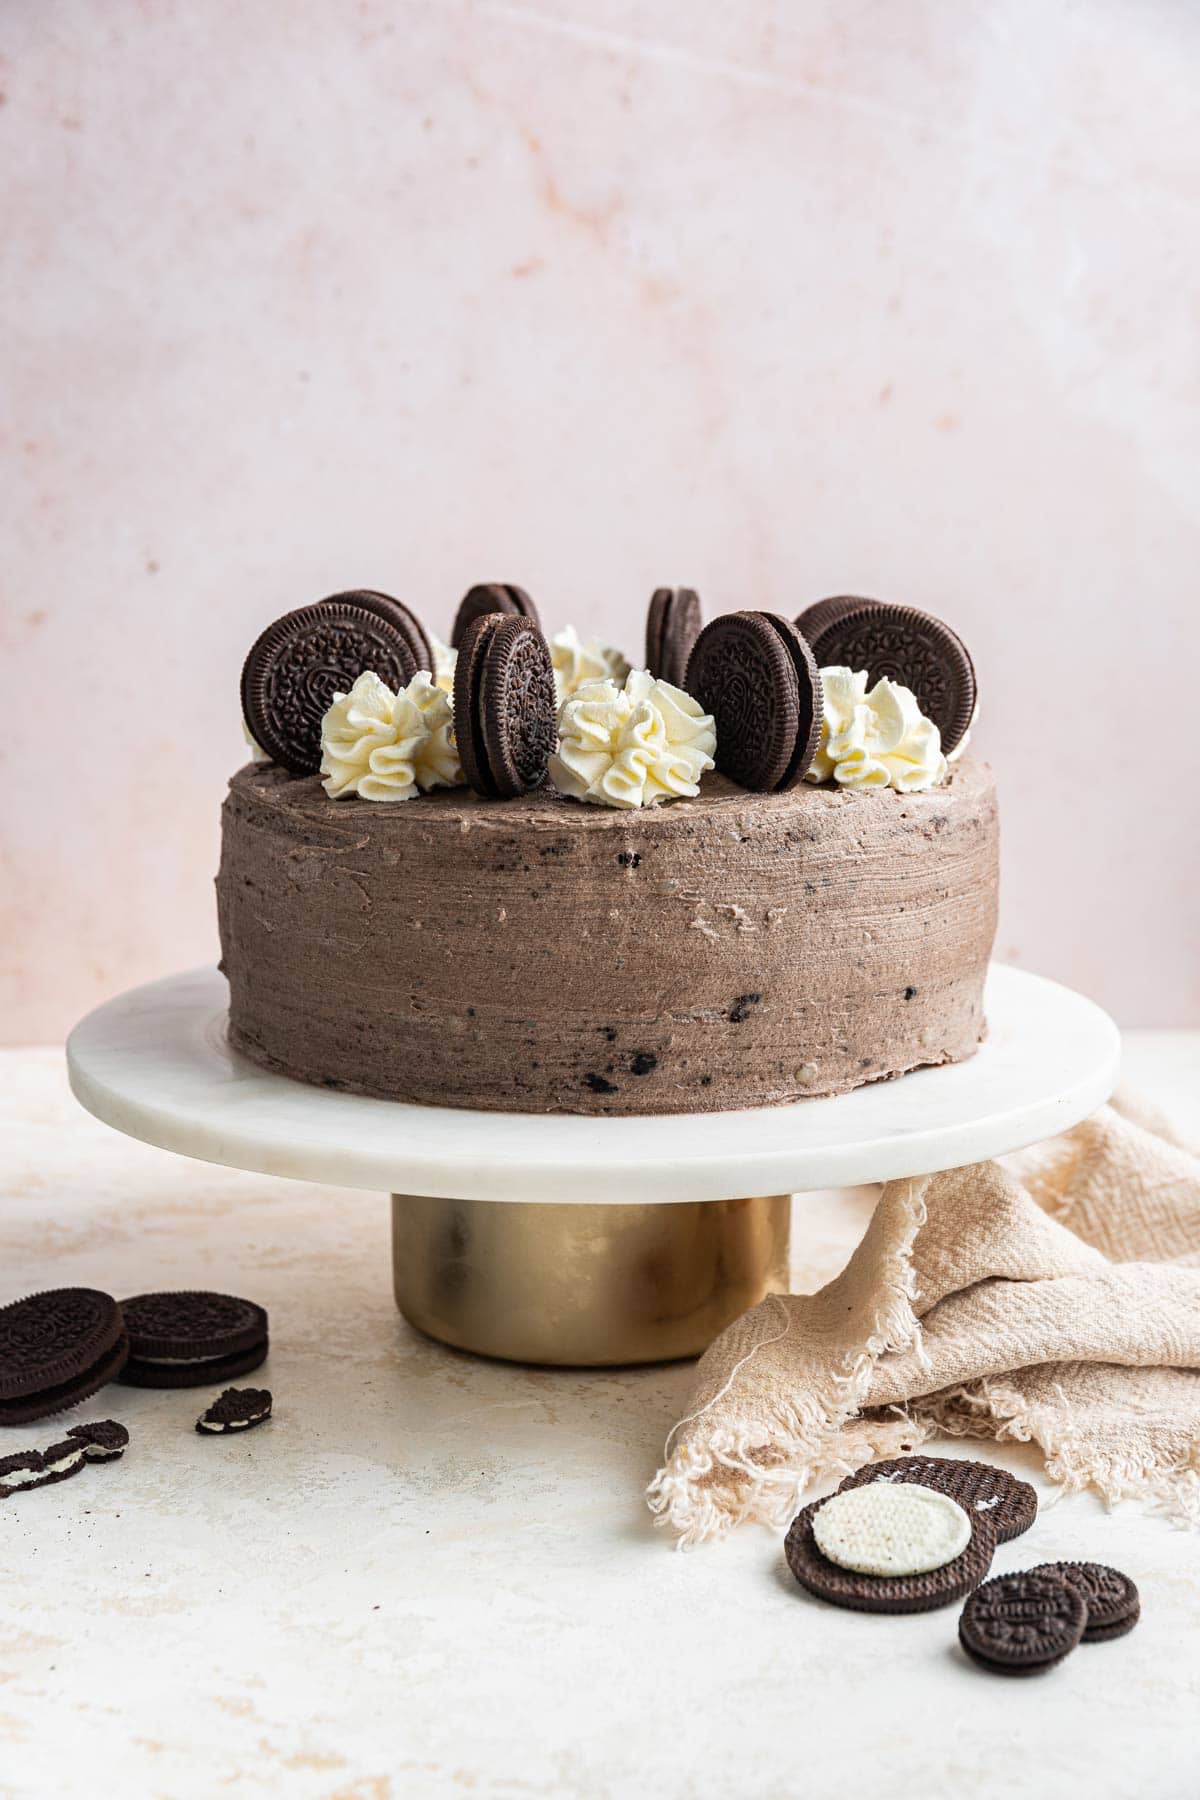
point(490, 597)
point(909, 647)
point(673, 623)
point(756, 675)
point(302, 660)
point(56, 1349)
point(505, 708)
point(182, 1340)
point(237, 1409)
point(907, 1593)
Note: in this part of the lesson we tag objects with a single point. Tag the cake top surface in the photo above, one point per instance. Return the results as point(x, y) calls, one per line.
point(302, 796)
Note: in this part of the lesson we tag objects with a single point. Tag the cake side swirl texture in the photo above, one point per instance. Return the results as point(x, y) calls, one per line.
point(733, 950)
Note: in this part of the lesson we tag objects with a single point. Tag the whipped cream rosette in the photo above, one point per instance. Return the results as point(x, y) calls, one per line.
point(875, 739)
point(632, 745)
point(577, 661)
point(445, 661)
point(385, 746)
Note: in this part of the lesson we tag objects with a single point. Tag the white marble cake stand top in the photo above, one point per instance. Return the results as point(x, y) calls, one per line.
point(155, 1063)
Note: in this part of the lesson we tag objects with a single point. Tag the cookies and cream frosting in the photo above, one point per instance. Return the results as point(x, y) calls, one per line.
point(875, 739)
point(577, 661)
point(632, 745)
point(385, 746)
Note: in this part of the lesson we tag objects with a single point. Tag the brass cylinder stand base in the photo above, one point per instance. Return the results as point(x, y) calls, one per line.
point(585, 1286)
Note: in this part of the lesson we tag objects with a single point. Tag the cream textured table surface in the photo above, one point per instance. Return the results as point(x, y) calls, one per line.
point(432, 1574)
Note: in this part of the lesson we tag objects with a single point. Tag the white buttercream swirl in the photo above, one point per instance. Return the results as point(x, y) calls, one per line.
point(257, 753)
point(632, 745)
point(385, 746)
point(445, 661)
point(577, 661)
point(875, 740)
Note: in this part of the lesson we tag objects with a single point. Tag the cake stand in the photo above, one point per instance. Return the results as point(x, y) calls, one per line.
point(567, 1240)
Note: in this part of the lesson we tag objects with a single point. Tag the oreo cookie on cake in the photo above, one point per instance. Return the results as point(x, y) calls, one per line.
point(673, 623)
point(908, 646)
point(755, 673)
point(490, 597)
point(192, 1339)
point(297, 665)
point(505, 706)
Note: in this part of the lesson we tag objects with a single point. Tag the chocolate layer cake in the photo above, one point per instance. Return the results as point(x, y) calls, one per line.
point(538, 955)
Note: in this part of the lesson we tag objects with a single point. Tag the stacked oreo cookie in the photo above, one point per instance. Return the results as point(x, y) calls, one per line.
point(870, 1548)
point(59, 1347)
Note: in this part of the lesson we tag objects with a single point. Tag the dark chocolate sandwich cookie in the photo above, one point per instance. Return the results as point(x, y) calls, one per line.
point(192, 1339)
point(822, 613)
point(491, 597)
point(301, 661)
point(56, 1349)
point(1113, 1603)
point(673, 623)
point(40, 1468)
point(977, 1486)
point(1022, 1624)
point(912, 648)
point(505, 708)
point(756, 675)
point(886, 1593)
point(401, 616)
point(24, 1469)
point(103, 1440)
point(237, 1409)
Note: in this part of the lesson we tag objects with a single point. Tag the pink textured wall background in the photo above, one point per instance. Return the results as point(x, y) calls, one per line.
point(778, 300)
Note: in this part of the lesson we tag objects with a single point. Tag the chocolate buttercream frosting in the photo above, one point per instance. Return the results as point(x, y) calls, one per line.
point(735, 950)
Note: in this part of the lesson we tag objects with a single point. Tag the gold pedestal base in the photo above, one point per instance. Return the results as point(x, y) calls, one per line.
point(585, 1285)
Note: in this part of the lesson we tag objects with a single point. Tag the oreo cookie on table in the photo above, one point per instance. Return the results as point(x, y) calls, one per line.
point(192, 1339)
point(1024, 1623)
point(861, 1591)
point(756, 675)
point(297, 665)
point(978, 1487)
point(673, 623)
point(490, 597)
point(1112, 1600)
point(237, 1409)
point(101, 1441)
point(910, 647)
point(505, 706)
point(56, 1349)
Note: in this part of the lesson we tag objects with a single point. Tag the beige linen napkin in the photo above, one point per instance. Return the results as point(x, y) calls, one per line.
point(1054, 1299)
